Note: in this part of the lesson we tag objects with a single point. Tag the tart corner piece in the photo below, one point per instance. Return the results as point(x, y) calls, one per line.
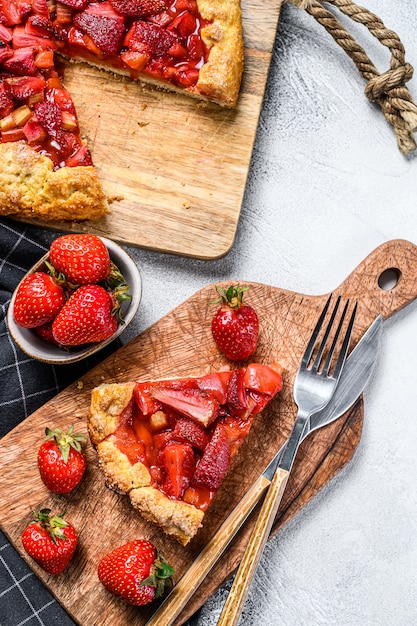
point(168, 444)
point(31, 188)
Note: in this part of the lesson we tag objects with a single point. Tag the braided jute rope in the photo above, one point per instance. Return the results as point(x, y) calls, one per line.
point(388, 89)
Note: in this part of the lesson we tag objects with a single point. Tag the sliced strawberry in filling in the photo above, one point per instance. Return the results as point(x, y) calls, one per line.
point(150, 39)
point(22, 62)
point(9, 13)
point(215, 461)
point(105, 27)
point(138, 8)
point(236, 393)
point(178, 464)
point(25, 86)
point(193, 403)
point(5, 34)
point(188, 431)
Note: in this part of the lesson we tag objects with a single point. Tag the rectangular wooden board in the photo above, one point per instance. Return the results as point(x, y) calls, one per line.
point(180, 344)
point(178, 166)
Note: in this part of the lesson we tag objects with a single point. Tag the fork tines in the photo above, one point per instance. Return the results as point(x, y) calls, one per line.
point(329, 355)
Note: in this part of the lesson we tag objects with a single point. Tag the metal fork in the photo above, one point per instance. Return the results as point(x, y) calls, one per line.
point(313, 389)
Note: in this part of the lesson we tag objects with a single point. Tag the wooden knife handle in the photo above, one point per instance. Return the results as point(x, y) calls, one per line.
point(234, 603)
point(194, 576)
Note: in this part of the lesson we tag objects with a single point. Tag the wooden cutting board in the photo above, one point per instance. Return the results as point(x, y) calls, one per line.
point(180, 344)
point(178, 166)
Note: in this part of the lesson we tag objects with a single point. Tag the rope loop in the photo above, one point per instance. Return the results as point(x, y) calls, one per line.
point(388, 89)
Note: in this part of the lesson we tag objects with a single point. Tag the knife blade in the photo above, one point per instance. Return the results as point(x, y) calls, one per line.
point(356, 374)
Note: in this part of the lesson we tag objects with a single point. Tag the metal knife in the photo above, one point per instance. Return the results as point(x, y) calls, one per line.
point(356, 374)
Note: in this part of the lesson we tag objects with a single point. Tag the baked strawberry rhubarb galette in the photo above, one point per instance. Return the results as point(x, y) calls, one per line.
point(168, 444)
point(189, 46)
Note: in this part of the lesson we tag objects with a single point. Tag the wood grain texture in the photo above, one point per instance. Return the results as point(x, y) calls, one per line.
point(178, 165)
point(180, 344)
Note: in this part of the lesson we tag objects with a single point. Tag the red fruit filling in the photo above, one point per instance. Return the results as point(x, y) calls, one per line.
point(187, 431)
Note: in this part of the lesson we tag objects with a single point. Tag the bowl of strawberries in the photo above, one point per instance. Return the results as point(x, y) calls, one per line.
point(79, 297)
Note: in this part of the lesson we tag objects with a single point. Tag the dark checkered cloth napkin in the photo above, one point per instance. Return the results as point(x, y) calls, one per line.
point(26, 385)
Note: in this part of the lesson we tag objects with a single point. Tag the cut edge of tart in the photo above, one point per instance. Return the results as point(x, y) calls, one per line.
point(31, 188)
point(168, 444)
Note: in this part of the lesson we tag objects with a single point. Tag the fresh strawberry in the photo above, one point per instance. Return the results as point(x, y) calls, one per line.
point(24, 86)
point(61, 460)
point(38, 300)
point(82, 258)
point(215, 461)
point(136, 572)
point(235, 326)
point(45, 333)
point(87, 317)
point(192, 403)
point(178, 462)
point(138, 8)
point(105, 27)
point(50, 541)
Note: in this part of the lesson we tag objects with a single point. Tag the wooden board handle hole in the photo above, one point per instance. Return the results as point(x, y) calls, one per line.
point(389, 278)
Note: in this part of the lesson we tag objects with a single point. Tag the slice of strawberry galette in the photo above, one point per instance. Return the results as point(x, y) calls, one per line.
point(168, 444)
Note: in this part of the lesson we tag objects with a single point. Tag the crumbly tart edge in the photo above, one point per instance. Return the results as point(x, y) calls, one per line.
point(31, 189)
point(176, 518)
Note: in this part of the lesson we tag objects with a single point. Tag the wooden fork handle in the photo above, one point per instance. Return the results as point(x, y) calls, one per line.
point(236, 598)
point(194, 576)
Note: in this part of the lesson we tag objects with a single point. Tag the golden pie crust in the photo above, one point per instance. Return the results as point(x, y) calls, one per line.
point(30, 188)
point(174, 517)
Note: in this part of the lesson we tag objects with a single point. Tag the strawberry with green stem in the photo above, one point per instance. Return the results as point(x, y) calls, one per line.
point(81, 259)
point(91, 315)
point(61, 460)
point(38, 300)
point(235, 326)
point(136, 572)
point(50, 541)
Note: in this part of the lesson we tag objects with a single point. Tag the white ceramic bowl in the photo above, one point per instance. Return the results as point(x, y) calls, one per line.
point(35, 347)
